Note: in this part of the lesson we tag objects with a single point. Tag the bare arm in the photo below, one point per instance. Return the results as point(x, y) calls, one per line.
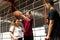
point(50, 27)
point(26, 17)
point(11, 34)
point(11, 30)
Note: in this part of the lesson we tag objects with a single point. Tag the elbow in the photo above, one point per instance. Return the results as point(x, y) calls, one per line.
point(10, 33)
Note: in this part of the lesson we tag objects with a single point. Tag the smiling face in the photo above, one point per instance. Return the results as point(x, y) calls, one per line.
point(17, 22)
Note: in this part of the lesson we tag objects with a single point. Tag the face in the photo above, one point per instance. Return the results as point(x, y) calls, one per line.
point(27, 14)
point(17, 22)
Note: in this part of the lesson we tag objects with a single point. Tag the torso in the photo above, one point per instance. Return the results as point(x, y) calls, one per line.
point(55, 17)
point(18, 32)
point(28, 27)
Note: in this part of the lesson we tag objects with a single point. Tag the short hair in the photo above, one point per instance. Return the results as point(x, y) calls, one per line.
point(51, 2)
point(29, 12)
point(15, 20)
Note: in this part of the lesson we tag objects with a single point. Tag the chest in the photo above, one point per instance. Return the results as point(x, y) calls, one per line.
point(18, 29)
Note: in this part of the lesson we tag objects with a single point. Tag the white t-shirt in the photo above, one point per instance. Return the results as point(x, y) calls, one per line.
point(17, 31)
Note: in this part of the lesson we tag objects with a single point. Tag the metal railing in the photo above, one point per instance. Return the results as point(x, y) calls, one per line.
point(39, 34)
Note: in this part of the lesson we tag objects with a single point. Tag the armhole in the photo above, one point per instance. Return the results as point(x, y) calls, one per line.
point(12, 29)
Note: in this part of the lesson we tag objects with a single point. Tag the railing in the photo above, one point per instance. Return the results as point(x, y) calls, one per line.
point(39, 34)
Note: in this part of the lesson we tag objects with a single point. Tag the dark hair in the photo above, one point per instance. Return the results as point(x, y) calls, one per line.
point(29, 12)
point(51, 2)
point(14, 20)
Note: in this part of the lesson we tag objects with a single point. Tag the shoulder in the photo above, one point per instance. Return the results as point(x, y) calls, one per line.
point(53, 10)
point(12, 26)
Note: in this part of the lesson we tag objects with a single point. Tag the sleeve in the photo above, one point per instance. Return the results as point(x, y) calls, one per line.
point(11, 29)
point(52, 16)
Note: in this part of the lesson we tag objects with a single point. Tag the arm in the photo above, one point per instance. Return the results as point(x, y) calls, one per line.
point(51, 18)
point(11, 34)
point(50, 27)
point(26, 17)
point(11, 30)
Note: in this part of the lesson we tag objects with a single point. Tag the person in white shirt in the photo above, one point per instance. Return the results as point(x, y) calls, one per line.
point(16, 30)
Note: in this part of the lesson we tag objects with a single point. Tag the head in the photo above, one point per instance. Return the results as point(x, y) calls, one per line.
point(28, 14)
point(17, 22)
point(49, 4)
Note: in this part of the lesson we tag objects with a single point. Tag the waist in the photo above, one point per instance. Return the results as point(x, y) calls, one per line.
point(18, 35)
point(28, 34)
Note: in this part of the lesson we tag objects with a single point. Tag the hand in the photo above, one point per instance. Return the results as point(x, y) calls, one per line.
point(47, 38)
point(23, 29)
point(15, 38)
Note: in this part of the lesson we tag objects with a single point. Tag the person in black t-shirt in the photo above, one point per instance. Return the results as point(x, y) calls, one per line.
point(53, 22)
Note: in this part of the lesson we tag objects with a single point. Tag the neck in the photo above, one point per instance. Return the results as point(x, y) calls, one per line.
point(27, 17)
point(51, 7)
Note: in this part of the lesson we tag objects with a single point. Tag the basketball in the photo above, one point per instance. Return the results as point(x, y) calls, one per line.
point(17, 14)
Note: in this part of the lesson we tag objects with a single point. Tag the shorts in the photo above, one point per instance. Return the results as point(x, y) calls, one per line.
point(28, 37)
point(19, 38)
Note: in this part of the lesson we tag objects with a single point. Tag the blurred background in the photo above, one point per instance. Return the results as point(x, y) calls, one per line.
point(37, 9)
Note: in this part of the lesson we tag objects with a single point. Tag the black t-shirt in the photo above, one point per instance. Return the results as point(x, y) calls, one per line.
point(54, 15)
